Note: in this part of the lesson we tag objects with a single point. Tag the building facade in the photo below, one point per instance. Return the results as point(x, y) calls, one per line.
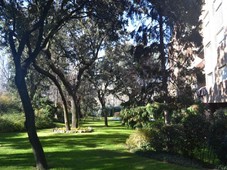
point(214, 32)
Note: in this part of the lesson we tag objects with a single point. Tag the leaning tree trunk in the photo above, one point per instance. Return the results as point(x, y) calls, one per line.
point(66, 117)
point(57, 84)
point(41, 163)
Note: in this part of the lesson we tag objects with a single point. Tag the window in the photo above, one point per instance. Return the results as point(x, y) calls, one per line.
point(218, 15)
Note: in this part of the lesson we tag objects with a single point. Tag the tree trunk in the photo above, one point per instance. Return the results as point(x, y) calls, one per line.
point(41, 163)
point(75, 114)
point(57, 84)
point(73, 111)
point(163, 65)
point(105, 118)
point(66, 116)
point(65, 107)
point(103, 105)
point(105, 115)
point(166, 117)
point(78, 113)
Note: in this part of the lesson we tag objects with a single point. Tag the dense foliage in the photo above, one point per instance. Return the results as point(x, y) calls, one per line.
point(12, 119)
point(218, 135)
point(9, 104)
point(142, 116)
point(195, 135)
point(14, 122)
point(136, 117)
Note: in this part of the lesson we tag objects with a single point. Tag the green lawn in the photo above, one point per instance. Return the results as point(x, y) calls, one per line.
point(103, 149)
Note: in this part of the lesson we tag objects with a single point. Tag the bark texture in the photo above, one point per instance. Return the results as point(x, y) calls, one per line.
point(41, 163)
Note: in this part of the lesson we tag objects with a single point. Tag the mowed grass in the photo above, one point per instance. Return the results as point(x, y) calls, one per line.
point(103, 149)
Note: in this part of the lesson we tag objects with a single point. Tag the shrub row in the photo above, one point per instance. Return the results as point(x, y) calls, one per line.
point(15, 122)
point(135, 118)
point(194, 135)
point(140, 117)
point(8, 104)
point(12, 123)
point(176, 138)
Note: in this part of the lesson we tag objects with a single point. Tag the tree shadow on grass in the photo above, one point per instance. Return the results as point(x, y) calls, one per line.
point(21, 161)
point(97, 151)
point(73, 151)
point(91, 159)
point(100, 150)
point(15, 143)
point(74, 141)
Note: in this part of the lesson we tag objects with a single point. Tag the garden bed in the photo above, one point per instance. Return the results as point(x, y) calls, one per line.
point(73, 130)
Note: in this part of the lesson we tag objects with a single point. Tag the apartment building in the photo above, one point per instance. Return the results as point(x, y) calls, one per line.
point(214, 31)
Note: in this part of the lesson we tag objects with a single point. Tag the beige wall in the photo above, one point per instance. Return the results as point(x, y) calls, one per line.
point(215, 51)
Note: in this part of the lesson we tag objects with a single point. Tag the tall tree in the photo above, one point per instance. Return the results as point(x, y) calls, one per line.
point(80, 43)
point(80, 51)
point(134, 74)
point(160, 23)
point(89, 104)
point(102, 77)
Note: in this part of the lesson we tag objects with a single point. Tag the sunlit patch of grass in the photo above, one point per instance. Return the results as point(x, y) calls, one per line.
point(103, 149)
